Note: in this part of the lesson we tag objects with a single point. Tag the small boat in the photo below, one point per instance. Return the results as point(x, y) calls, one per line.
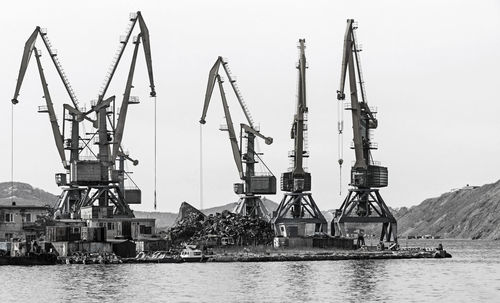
point(154, 257)
point(191, 254)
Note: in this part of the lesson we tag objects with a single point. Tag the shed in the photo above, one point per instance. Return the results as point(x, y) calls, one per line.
point(123, 248)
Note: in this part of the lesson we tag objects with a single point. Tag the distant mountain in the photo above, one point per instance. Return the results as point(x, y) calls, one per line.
point(163, 219)
point(25, 194)
point(269, 204)
point(470, 212)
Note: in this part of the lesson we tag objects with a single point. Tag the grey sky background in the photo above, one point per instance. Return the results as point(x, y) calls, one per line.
point(431, 68)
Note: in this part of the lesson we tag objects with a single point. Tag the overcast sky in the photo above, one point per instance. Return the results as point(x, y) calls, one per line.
point(431, 68)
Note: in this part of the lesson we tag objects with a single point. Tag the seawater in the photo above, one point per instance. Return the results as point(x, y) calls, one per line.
point(472, 275)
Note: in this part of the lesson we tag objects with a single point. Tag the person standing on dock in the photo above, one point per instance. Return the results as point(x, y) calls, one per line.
point(361, 239)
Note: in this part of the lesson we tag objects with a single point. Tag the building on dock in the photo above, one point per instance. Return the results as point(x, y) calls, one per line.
point(18, 220)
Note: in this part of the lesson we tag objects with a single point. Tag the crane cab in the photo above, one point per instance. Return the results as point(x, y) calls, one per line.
point(374, 176)
point(291, 183)
point(262, 185)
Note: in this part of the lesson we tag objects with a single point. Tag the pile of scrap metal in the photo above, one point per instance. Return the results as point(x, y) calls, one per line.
point(188, 222)
point(222, 229)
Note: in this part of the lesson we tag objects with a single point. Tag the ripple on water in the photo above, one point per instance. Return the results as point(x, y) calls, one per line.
point(473, 274)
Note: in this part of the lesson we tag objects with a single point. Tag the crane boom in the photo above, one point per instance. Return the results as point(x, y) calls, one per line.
point(362, 117)
point(230, 128)
point(56, 131)
point(236, 90)
point(214, 72)
point(298, 125)
point(147, 53)
point(212, 78)
point(124, 107)
point(29, 48)
point(144, 33)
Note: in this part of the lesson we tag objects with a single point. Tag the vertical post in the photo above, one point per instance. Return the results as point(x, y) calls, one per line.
point(103, 152)
point(250, 161)
point(74, 139)
point(121, 176)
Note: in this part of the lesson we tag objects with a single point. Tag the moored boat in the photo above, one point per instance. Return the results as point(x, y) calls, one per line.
point(192, 254)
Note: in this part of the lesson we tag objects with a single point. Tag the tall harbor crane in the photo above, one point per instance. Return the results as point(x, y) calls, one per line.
point(363, 203)
point(254, 184)
point(95, 179)
point(297, 208)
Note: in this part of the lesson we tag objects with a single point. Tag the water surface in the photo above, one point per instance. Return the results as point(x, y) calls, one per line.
point(472, 275)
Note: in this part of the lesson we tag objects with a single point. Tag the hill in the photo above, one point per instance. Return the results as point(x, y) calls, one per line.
point(270, 205)
point(470, 212)
point(163, 219)
point(25, 194)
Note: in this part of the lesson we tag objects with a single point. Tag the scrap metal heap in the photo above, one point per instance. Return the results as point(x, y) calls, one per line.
point(298, 207)
point(363, 203)
point(218, 229)
point(98, 177)
point(254, 184)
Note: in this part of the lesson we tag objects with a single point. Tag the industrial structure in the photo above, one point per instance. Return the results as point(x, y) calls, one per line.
point(95, 180)
point(363, 203)
point(244, 154)
point(297, 208)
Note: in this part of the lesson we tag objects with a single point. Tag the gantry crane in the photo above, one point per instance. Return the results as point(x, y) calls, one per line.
point(363, 203)
point(87, 181)
point(254, 184)
point(297, 208)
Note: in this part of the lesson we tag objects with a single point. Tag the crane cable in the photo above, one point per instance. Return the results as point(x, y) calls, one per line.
point(201, 166)
point(155, 153)
point(340, 152)
point(12, 155)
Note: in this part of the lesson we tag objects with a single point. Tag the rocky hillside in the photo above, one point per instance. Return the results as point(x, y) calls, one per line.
point(25, 194)
point(470, 212)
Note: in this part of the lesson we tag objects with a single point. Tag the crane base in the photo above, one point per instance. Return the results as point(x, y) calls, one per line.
point(252, 206)
point(297, 209)
point(365, 205)
point(73, 199)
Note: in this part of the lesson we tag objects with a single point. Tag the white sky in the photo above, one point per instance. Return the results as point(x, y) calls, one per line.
point(431, 68)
